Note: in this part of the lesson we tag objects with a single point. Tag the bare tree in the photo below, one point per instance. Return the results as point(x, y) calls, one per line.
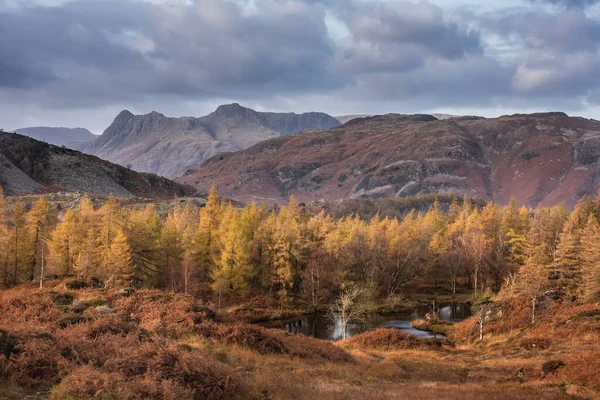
point(482, 317)
point(532, 281)
point(476, 246)
point(352, 305)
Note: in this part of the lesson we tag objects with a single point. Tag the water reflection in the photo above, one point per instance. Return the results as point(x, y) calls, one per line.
point(320, 326)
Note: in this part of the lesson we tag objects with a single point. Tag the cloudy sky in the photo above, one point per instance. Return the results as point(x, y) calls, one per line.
point(78, 63)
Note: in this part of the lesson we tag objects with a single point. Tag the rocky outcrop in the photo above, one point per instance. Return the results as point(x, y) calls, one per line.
point(541, 159)
point(171, 146)
point(31, 166)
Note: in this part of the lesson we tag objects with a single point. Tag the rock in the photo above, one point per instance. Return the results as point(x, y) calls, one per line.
point(551, 367)
point(78, 307)
point(76, 285)
point(520, 375)
point(104, 310)
point(126, 292)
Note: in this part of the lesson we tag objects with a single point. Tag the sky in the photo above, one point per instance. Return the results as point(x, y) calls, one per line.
point(78, 63)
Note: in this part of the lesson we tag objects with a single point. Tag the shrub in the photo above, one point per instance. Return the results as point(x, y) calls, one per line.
point(535, 343)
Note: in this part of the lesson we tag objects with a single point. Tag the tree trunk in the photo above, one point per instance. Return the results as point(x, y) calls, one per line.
point(42, 270)
point(481, 329)
point(533, 309)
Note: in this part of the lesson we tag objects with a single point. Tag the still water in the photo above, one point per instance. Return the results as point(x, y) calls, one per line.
point(320, 326)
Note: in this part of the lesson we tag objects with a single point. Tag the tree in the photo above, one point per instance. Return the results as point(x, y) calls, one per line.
point(18, 244)
point(86, 264)
point(4, 239)
point(63, 248)
point(351, 306)
point(38, 225)
point(568, 255)
point(118, 261)
point(533, 277)
point(205, 246)
point(143, 232)
point(476, 246)
point(590, 244)
point(233, 270)
point(171, 252)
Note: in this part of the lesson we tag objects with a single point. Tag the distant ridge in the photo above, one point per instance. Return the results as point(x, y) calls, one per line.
point(72, 138)
point(171, 146)
point(542, 159)
point(32, 166)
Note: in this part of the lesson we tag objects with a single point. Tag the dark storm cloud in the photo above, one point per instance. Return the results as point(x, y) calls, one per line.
point(100, 53)
point(94, 51)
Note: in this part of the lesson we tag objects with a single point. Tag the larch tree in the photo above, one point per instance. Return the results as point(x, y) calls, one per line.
point(38, 226)
point(171, 253)
point(568, 255)
point(533, 276)
point(204, 243)
point(4, 240)
point(590, 244)
point(118, 261)
point(87, 263)
point(143, 232)
point(18, 244)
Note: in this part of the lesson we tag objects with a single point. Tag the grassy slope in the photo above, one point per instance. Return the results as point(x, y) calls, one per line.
point(158, 345)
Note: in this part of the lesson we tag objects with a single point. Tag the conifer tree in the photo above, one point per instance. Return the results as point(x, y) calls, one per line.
point(171, 253)
point(4, 240)
point(38, 226)
point(62, 252)
point(86, 263)
point(590, 244)
point(568, 255)
point(143, 232)
point(118, 261)
point(205, 246)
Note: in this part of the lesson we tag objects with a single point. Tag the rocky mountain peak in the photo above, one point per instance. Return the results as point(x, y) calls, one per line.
point(232, 110)
point(124, 115)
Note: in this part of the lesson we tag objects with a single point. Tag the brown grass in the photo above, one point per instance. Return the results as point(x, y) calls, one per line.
point(155, 345)
point(273, 341)
point(392, 339)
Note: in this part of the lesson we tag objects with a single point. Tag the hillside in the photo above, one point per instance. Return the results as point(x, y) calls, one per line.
point(170, 146)
point(31, 166)
point(541, 159)
point(72, 138)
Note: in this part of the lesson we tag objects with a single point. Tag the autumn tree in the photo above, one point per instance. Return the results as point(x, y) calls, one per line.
point(38, 223)
point(590, 244)
point(118, 262)
point(4, 239)
point(204, 241)
point(533, 276)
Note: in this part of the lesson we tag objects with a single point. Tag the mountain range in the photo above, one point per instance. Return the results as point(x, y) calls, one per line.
point(169, 147)
point(31, 166)
point(72, 138)
point(541, 159)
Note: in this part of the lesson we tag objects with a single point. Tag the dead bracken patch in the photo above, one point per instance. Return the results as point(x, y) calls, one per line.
point(393, 339)
point(535, 343)
point(273, 341)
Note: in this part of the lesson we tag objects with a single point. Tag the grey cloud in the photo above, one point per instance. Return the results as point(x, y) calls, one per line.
point(569, 3)
point(564, 32)
point(421, 25)
point(96, 51)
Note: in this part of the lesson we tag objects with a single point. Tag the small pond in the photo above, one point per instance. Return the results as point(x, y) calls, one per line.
point(320, 326)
